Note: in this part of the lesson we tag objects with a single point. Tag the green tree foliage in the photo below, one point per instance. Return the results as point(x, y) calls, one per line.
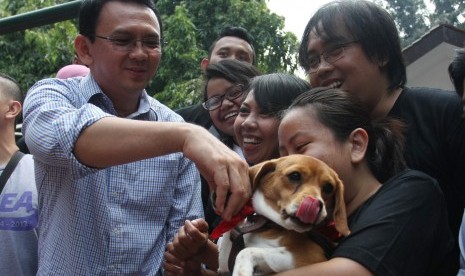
point(450, 12)
point(190, 27)
point(414, 18)
point(31, 55)
point(179, 71)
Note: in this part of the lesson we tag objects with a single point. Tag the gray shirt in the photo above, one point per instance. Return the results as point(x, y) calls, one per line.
point(18, 221)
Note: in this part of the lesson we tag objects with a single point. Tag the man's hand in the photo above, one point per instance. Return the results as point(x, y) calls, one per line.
point(114, 141)
point(226, 173)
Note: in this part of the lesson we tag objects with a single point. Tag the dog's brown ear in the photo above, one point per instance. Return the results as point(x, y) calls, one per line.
point(340, 214)
point(256, 172)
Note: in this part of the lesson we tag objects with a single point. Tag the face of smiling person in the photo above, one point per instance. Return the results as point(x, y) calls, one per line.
point(353, 72)
point(300, 132)
point(256, 133)
point(124, 72)
point(223, 117)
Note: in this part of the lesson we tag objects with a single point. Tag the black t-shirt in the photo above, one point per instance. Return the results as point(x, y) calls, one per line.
point(402, 229)
point(435, 143)
point(196, 114)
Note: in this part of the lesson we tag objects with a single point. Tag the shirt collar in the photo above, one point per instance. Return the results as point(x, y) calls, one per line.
point(91, 91)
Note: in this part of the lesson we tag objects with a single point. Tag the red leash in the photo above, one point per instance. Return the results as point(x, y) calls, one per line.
point(225, 226)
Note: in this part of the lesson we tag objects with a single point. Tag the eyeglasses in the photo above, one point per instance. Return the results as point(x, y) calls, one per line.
point(127, 44)
point(330, 55)
point(232, 93)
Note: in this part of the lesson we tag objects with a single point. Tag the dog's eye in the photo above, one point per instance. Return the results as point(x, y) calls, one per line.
point(294, 176)
point(328, 188)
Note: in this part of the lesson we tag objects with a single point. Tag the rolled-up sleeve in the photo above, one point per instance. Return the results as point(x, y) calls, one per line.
point(54, 117)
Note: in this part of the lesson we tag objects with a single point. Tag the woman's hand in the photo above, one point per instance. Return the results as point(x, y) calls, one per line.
point(190, 240)
point(183, 254)
point(175, 267)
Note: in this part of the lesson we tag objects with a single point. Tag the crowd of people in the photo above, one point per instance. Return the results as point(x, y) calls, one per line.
point(117, 183)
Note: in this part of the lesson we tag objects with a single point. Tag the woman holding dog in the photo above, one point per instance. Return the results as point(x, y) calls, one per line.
point(256, 130)
point(397, 216)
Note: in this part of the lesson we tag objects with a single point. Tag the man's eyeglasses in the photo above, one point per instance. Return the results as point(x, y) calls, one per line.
point(232, 93)
point(127, 44)
point(330, 55)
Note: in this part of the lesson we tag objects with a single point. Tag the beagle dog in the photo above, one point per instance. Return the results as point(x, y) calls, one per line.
point(297, 193)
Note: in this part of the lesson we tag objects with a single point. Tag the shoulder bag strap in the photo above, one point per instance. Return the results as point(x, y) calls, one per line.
point(10, 167)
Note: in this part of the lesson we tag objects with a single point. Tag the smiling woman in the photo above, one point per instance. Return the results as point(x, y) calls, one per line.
point(384, 200)
point(225, 83)
point(256, 125)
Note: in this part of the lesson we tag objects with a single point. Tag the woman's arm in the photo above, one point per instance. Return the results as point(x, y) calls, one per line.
point(335, 266)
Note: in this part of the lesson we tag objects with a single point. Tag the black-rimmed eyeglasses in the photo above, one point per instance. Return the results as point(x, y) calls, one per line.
point(127, 44)
point(330, 55)
point(231, 93)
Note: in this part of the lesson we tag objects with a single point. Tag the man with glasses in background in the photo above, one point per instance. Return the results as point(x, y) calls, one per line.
point(114, 167)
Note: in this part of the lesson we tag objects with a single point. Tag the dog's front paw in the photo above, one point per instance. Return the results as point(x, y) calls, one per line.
point(246, 263)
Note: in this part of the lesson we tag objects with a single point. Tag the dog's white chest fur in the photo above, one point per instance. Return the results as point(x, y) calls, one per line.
point(260, 256)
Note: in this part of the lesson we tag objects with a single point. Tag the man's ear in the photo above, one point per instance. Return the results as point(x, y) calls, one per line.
point(359, 143)
point(204, 63)
point(14, 109)
point(83, 50)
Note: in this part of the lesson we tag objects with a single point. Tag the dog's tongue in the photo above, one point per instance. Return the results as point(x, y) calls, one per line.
point(308, 210)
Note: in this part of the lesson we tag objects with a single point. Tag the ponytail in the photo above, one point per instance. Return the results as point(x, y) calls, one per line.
point(385, 148)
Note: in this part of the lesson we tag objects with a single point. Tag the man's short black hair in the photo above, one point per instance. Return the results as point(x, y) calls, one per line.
point(457, 71)
point(90, 11)
point(234, 31)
